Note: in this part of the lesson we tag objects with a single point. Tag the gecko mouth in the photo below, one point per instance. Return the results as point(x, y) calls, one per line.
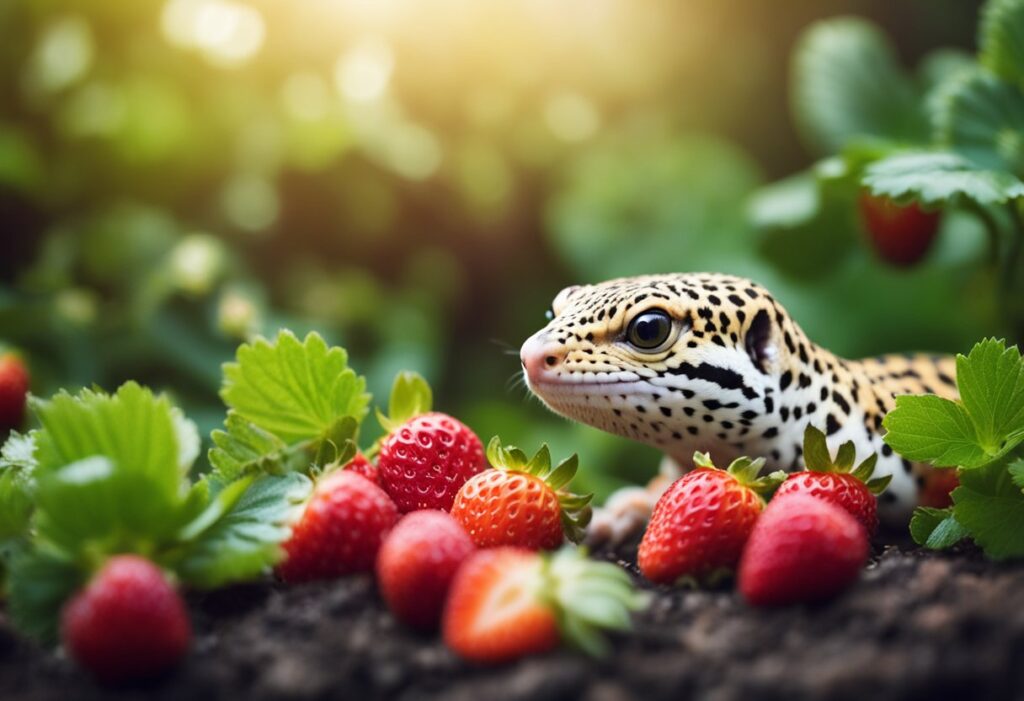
point(564, 388)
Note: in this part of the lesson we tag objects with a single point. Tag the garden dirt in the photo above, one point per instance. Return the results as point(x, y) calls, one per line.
point(917, 625)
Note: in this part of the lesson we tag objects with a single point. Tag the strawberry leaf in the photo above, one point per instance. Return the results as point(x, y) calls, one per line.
point(931, 429)
point(991, 507)
point(939, 178)
point(239, 534)
point(982, 117)
point(40, 582)
point(991, 382)
point(295, 390)
point(1002, 39)
point(936, 529)
point(848, 86)
point(243, 448)
point(17, 485)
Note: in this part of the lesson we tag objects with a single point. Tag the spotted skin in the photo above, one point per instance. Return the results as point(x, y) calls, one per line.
point(740, 378)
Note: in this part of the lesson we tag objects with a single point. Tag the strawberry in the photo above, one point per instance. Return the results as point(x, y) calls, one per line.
point(509, 602)
point(522, 502)
point(364, 467)
point(416, 564)
point(14, 382)
point(833, 480)
point(128, 623)
point(803, 549)
point(700, 524)
point(340, 530)
point(938, 484)
point(424, 461)
point(901, 234)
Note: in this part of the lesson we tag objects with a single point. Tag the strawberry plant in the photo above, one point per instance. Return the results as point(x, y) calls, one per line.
point(982, 436)
point(904, 149)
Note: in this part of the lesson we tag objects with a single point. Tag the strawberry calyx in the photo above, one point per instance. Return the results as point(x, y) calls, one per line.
point(818, 458)
point(588, 597)
point(575, 508)
point(410, 396)
point(745, 471)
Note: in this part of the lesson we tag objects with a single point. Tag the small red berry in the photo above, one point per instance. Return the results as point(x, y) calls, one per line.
point(803, 549)
point(340, 530)
point(364, 467)
point(128, 623)
point(416, 564)
point(14, 385)
point(901, 234)
point(842, 489)
point(423, 463)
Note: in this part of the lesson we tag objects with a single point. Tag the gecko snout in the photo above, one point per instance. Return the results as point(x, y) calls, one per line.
point(540, 357)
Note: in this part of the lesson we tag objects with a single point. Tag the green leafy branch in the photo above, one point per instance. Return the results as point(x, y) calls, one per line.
point(981, 434)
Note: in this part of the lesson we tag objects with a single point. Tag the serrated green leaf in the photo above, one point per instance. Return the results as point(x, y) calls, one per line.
point(981, 117)
point(991, 383)
point(931, 429)
point(293, 389)
point(243, 448)
point(1001, 39)
point(245, 539)
point(991, 507)
point(17, 485)
point(39, 584)
point(939, 178)
point(847, 85)
point(1017, 472)
point(136, 430)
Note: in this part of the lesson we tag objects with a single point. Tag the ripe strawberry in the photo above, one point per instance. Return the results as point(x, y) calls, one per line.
point(522, 502)
point(901, 234)
point(340, 530)
point(14, 382)
point(802, 549)
point(128, 623)
point(509, 602)
point(833, 480)
point(364, 467)
point(938, 484)
point(700, 524)
point(416, 564)
point(424, 462)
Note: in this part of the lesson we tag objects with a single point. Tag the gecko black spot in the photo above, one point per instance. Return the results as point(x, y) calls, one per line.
point(769, 405)
point(688, 410)
point(723, 377)
point(677, 435)
point(907, 467)
point(771, 432)
point(886, 450)
point(665, 411)
point(841, 402)
point(785, 380)
point(784, 413)
point(832, 425)
point(804, 381)
point(692, 430)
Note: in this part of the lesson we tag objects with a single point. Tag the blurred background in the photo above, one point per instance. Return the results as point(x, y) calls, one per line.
point(417, 181)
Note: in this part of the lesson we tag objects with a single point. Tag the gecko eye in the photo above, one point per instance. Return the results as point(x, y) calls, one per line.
point(650, 330)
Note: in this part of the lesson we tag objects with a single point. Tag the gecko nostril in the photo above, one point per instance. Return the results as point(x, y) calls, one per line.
point(551, 360)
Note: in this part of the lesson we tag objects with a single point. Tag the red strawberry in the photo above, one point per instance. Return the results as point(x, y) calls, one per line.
point(364, 467)
point(128, 623)
point(424, 462)
point(802, 549)
point(901, 234)
point(700, 524)
point(521, 503)
point(509, 602)
point(416, 564)
point(938, 483)
point(340, 530)
point(833, 480)
point(14, 381)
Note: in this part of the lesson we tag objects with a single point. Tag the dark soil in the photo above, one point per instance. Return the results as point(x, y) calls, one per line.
point(917, 626)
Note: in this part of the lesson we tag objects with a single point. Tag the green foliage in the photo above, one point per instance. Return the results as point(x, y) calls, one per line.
point(295, 390)
point(941, 178)
point(847, 86)
point(1002, 39)
point(410, 396)
point(108, 474)
point(982, 117)
point(241, 529)
point(589, 597)
point(982, 434)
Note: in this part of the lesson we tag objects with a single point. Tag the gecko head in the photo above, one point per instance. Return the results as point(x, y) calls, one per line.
point(670, 360)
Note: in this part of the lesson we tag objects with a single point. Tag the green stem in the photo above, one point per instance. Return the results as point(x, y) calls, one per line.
point(991, 229)
point(1013, 270)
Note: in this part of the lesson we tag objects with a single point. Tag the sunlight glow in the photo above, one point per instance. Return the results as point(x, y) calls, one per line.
point(226, 33)
point(364, 71)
